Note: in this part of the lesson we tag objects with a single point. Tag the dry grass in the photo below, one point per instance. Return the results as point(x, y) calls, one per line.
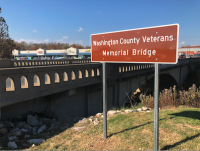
point(171, 98)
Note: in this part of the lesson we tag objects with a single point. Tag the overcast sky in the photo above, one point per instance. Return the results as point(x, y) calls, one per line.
point(73, 21)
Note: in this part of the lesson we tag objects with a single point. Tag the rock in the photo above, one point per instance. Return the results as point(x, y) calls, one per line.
point(36, 117)
point(26, 136)
point(96, 122)
point(77, 119)
point(128, 111)
point(78, 128)
point(144, 108)
point(1, 125)
point(53, 121)
point(99, 114)
point(62, 128)
point(149, 111)
point(28, 127)
point(40, 123)
point(51, 127)
point(8, 124)
point(35, 141)
point(34, 130)
point(118, 111)
point(134, 110)
point(84, 120)
point(65, 119)
point(96, 119)
point(12, 138)
point(18, 133)
point(14, 130)
point(90, 119)
point(41, 129)
point(24, 130)
point(3, 131)
point(149, 108)
point(20, 124)
point(139, 109)
point(12, 145)
point(32, 120)
point(33, 145)
point(46, 121)
point(111, 112)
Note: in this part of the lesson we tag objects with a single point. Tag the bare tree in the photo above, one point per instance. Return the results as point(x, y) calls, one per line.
point(6, 43)
point(3, 28)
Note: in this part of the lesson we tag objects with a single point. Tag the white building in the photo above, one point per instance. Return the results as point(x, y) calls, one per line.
point(68, 53)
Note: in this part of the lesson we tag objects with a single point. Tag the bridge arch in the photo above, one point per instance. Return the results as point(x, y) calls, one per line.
point(10, 86)
point(36, 80)
point(47, 79)
point(120, 70)
point(86, 73)
point(24, 82)
point(57, 78)
point(65, 76)
point(92, 73)
point(98, 72)
point(73, 75)
point(166, 81)
point(80, 74)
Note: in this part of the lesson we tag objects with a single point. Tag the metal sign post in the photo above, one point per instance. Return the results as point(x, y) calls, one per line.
point(156, 109)
point(104, 101)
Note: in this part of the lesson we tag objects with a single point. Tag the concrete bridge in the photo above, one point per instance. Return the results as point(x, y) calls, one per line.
point(75, 89)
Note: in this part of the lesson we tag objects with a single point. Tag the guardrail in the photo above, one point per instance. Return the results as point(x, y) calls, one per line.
point(27, 63)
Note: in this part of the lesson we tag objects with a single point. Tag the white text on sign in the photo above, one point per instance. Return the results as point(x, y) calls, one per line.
point(135, 52)
point(133, 40)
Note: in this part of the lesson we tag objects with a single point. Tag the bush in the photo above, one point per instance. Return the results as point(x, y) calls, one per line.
point(170, 98)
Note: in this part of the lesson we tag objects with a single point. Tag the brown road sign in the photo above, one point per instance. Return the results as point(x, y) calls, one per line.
point(145, 45)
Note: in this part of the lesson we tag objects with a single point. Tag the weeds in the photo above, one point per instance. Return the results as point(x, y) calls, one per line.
point(170, 98)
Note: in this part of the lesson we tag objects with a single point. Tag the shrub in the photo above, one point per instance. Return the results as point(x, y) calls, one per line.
point(169, 98)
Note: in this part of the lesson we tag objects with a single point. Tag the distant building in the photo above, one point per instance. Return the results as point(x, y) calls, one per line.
point(189, 50)
point(42, 53)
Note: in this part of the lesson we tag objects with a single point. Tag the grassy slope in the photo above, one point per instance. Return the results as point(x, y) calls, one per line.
point(179, 130)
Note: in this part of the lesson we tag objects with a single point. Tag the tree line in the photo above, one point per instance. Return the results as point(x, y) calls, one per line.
point(7, 44)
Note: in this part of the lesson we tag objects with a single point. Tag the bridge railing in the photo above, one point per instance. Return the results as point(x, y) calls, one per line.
point(181, 62)
point(27, 63)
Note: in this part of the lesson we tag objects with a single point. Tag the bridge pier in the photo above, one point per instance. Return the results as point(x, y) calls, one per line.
point(116, 94)
point(180, 83)
point(86, 100)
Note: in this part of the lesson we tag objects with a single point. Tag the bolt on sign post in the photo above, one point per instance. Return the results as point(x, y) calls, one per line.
point(157, 45)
